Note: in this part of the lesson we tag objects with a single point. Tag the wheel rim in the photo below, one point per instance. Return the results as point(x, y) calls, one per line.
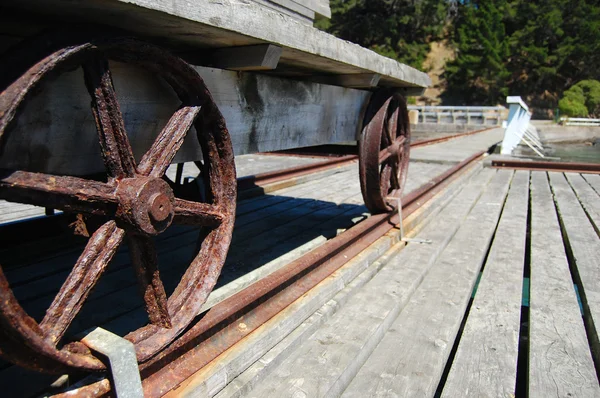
point(136, 197)
point(384, 150)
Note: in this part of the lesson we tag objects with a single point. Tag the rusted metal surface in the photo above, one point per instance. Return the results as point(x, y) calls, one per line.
point(219, 329)
point(588, 168)
point(384, 150)
point(135, 196)
point(250, 182)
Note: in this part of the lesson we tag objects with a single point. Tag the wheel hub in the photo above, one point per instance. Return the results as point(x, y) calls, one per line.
point(146, 204)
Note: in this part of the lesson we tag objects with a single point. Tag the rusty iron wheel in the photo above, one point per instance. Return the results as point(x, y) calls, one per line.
point(384, 149)
point(136, 200)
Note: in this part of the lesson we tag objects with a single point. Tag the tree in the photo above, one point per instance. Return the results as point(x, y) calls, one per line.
point(399, 29)
point(581, 100)
point(479, 73)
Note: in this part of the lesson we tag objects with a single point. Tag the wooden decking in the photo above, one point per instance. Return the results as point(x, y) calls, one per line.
point(502, 302)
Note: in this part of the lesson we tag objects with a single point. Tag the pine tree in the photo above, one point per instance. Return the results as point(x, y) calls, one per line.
point(399, 29)
point(479, 74)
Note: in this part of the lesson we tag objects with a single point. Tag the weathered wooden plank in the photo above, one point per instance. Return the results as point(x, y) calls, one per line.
point(560, 362)
point(261, 369)
point(294, 9)
point(410, 359)
point(593, 180)
point(320, 7)
point(209, 380)
point(457, 149)
point(223, 23)
point(262, 113)
point(485, 364)
point(245, 58)
point(331, 357)
point(589, 199)
point(357, 80)
point(584, 243)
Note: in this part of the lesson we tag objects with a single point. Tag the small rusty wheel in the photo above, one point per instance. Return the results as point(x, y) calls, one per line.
point(384, 149)
point(137, 201)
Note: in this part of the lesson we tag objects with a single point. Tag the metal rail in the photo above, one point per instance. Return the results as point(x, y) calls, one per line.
point(588, 168)
point(219, 329)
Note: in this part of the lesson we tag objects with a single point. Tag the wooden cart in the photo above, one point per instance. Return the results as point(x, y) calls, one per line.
point(170, 82)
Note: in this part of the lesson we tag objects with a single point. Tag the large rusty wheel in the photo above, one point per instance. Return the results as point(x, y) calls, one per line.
point(384, 149)
point(136, 200)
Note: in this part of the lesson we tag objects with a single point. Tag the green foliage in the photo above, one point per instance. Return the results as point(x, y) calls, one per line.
point(538, 48)
point(533, 48)
point(591, 92)
point(399, 29)
point(479, 73)
point(581, 100)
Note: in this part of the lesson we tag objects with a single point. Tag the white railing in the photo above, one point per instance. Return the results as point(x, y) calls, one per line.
point(519, 129)
point(482, 115)
point(579, 121)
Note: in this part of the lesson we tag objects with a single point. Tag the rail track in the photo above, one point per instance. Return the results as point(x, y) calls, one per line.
point(218, 330)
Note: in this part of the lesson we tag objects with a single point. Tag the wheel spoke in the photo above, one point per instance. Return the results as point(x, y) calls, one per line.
point(145, 263)
point(195, 213)
point(116, 150)
point(384, 155)
point(155, 162)
point(395, 182)
point(56, 192)
point(89, 267)
point(392, 125)
point(395, 149)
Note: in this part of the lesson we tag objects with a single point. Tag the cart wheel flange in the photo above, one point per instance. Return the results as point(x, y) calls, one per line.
point(384, 150)
point(135, 199)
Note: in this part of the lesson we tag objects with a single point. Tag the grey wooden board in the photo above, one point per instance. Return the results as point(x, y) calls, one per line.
point(410, 358)
point(324, 365)
point(590, 199)
point(245, 58)
point(584, 243)
point(485, 364)
point(456, 150)
point(175, 249)
point(263, 114)
point(291, 8)
point(246, 165)
point(225, 23)
point(261, 369)
point(210, 379)
point(593, 180)
point(560, 363)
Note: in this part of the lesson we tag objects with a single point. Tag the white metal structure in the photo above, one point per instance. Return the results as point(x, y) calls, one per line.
point(519, 129)
point(483, 115)
point(579, 121)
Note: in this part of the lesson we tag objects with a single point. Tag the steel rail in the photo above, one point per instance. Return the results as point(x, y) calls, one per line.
point(218, 329)
point(262, 179)
point(587, 168)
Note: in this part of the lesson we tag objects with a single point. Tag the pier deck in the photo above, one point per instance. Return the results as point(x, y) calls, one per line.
point(495, 295)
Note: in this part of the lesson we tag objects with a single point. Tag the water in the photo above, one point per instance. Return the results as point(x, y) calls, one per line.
point(577, 152)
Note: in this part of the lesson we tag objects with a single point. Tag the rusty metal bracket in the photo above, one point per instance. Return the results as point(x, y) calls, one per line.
point(122, 359)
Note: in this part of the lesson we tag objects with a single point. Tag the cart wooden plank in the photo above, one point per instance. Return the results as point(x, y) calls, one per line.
point(263, 113)
point(215, 24)
point(486, 360)
point(560, 362)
